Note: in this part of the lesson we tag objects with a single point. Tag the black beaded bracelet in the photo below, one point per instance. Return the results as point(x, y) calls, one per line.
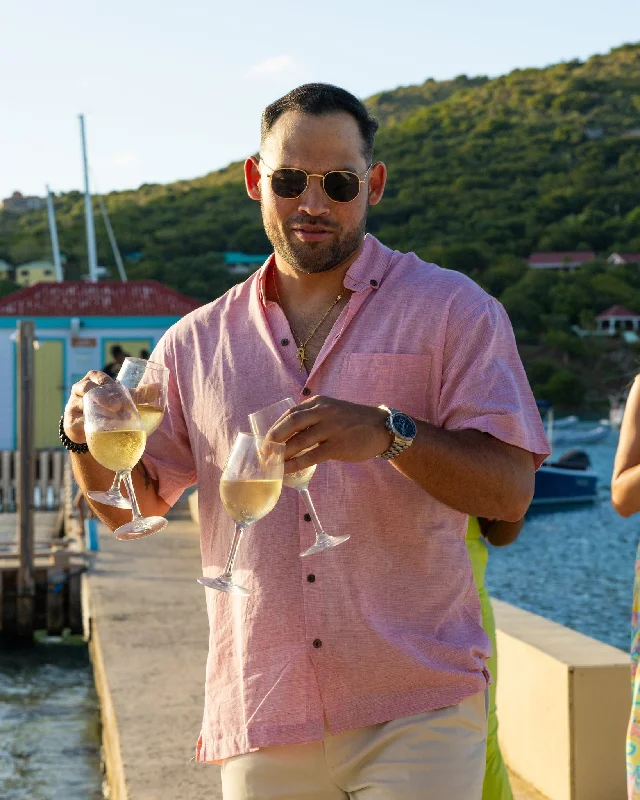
point(74, 447)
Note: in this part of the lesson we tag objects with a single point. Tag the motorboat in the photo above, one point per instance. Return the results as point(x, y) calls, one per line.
point(568, 479)
point(566, 422)
point(572, 436)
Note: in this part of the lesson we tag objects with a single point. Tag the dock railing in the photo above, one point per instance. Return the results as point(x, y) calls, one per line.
point(48, 487)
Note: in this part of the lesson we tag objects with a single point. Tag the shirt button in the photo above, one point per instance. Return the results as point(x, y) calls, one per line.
point(317, 643)
point(311, 578)
point(307, 517)
point(306, 392)
point(284, 342)
point(373, 283)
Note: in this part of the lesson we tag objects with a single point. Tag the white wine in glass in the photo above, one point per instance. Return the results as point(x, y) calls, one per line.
point(249, 501)
point(116, 439)
point(151, 416)
point(250, 486)
point(117, 450)
point(261, 422)
point(148, 383)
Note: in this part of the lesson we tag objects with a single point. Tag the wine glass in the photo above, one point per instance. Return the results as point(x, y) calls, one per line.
point(148, 383)
point(116, 438)
point(250, 486)
point(261, 422)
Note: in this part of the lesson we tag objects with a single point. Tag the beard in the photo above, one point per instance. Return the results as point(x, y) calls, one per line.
point(313, 257)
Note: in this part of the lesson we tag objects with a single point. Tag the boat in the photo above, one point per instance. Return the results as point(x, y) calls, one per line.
point(567, 480)
point(566, 422)
point(574, 437)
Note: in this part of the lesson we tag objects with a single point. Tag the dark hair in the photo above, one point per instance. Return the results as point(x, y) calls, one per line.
point(322, 98)
point(144, 353)
point(116, 350)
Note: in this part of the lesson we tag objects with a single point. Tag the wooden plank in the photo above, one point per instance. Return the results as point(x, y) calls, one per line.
point(26, 384)
point(6, 479)
point(9, 604)
point(74, 601)
point(57, 477)
point(55, 601)
point(43, 478)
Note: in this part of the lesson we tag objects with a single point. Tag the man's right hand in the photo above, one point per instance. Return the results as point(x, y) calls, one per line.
point(74, 410)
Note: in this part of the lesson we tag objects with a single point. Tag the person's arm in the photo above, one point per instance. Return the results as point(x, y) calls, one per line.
point(466, 469)
point(625, 484)
point(91, 476)
point(500, 533)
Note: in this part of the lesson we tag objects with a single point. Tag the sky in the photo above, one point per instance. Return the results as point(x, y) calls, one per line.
point(174, 90)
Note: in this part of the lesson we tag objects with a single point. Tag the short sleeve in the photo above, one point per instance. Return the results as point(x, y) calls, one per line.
point(484, 385)
point(168, 456)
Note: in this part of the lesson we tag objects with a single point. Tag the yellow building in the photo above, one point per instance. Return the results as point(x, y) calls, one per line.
point(6, 270)
point(35, 272)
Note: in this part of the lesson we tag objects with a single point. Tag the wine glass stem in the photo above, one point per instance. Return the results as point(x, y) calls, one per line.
point(126, 474)
point(304, 491)
point(234, 549)
point(115, 486)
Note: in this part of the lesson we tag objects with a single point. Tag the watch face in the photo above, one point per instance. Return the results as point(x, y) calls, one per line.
point(404, 425)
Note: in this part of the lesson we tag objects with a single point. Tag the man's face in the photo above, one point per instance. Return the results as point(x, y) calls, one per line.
point(312, 233)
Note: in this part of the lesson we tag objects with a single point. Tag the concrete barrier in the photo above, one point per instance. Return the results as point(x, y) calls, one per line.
point(563, 707)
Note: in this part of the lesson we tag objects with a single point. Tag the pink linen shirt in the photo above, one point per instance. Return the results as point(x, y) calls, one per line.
point(387, 624)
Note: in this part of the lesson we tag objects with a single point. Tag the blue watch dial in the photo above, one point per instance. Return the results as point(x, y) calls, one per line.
point(404, 425)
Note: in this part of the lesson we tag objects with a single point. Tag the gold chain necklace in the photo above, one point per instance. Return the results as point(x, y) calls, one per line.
point(301, 352)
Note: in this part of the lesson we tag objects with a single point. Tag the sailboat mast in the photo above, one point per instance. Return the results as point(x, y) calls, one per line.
point(53, 232)
point(88, 212)
point(112, 240)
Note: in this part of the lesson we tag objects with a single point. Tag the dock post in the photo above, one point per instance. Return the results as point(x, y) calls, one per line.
point(26, 585)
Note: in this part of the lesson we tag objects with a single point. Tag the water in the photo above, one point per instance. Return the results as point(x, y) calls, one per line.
point(574, 566)
point(49, 727)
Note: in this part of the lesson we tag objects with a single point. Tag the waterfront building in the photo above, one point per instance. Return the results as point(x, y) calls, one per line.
point(619, 259)
point(560, 261)
point(617, 319)
point(77, 324)
point(19, 204)
point(243, 263)
point(33, 272)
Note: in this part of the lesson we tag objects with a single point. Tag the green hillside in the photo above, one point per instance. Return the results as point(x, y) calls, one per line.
point(481, 172)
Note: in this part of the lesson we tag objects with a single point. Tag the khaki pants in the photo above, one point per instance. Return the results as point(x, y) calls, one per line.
point(438, 755)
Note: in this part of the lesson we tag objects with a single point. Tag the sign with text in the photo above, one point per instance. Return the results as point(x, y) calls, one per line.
point(83, 341)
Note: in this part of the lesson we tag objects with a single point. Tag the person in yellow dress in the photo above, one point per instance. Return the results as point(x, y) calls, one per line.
point(625, 497)
point(496, 780)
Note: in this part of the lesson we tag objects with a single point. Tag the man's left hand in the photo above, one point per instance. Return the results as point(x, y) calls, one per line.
point(334, 429)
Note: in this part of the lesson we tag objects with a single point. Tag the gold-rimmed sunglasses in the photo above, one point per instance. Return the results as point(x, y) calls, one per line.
point(341, 186)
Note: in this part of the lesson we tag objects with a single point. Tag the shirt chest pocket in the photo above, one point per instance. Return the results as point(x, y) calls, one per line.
point(398, 380)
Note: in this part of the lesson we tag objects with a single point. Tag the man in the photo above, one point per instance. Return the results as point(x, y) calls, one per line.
point(113, 367)
point(359, 672)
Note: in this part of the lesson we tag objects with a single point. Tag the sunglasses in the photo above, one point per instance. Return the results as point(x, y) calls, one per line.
point(341, 186)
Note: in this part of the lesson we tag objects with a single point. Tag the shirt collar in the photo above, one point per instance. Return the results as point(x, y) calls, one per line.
point(366, 272)
point(370, 267)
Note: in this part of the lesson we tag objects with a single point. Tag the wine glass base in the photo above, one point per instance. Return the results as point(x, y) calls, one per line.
point(223, 584)
point(324, 542)
point(139, 528)
point(110, 499)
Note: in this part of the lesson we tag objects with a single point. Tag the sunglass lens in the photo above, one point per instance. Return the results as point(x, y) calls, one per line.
point(288, 183)
point(343, 187)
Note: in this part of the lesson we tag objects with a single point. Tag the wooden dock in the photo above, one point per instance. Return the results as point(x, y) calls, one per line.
point(58, 564)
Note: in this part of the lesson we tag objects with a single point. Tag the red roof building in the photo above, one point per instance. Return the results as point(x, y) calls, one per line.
point(78, 326)
point(102, 299)
point(618, 259)
point(618, 318)
point(563, 261)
